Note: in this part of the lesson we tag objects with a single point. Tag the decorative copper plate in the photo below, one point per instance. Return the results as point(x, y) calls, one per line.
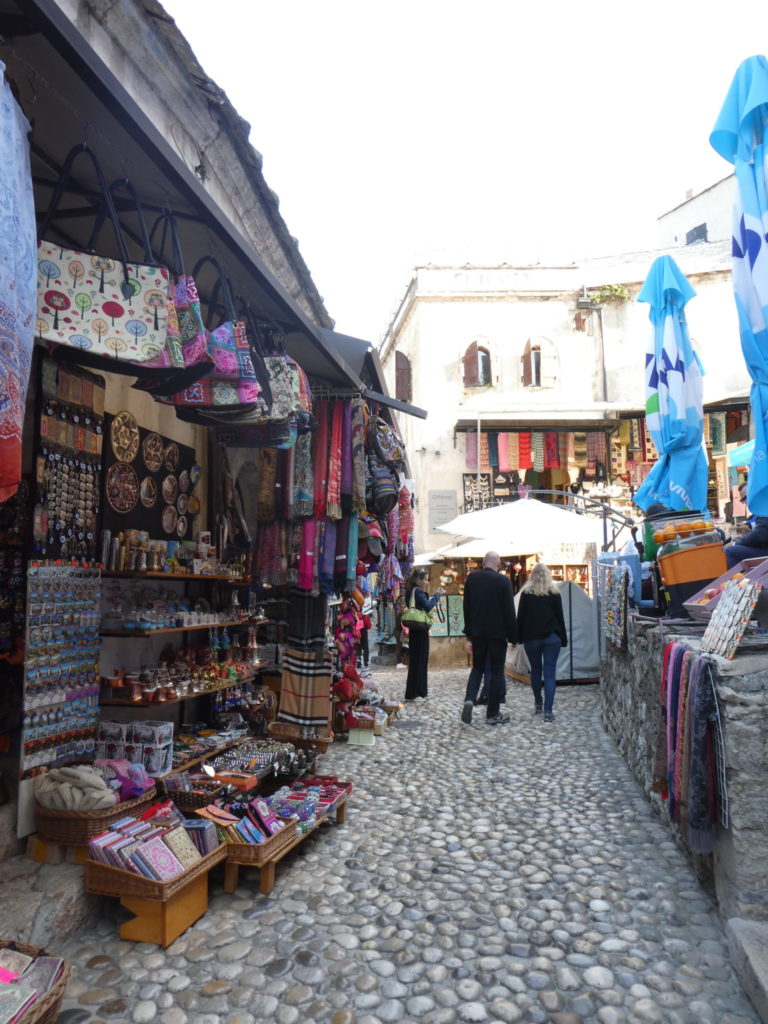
point(152, 452)
point(170, 489)
point(122, 487)
point(171, 457)
point(169, 518)
point(148, 492)
point(124, 436)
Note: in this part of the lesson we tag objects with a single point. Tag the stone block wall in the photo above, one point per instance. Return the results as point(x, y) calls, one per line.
point(630, 681)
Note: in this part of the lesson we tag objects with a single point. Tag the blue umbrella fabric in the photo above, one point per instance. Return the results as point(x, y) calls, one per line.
point(674, 408)
point(739, 137)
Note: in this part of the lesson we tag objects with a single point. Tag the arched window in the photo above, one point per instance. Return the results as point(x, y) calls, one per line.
point(477, 367)
point(403, 382)
point(540, 364)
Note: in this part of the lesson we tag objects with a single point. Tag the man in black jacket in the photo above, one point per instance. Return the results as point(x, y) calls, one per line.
point(489, 622)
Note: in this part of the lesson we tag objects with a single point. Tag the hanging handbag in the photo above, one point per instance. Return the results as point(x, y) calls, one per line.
point(113, 310)
point(388, 445)
point(415, 618)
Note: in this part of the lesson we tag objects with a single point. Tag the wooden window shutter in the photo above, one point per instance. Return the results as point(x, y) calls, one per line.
point(527, 370)
point(403, 384)
point(470, 366)
point(483, 367)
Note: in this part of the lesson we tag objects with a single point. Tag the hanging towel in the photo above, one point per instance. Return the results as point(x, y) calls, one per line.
point(470, 450)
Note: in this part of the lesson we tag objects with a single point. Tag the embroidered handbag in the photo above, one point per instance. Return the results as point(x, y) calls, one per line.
point(390, 448)
point(382, 496)
point(415, 618)
point(104, 306)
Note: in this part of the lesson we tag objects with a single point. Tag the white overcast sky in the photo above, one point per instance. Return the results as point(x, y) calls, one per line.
point(486, 131)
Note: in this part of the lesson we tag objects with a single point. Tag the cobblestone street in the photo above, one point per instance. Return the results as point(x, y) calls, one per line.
point(484, 873)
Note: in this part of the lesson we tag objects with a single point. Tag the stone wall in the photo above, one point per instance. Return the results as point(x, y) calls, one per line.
point(630, 681)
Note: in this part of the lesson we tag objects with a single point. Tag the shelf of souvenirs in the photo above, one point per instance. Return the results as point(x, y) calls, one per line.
point(213, 752)
point(224, 685)
point(235, 581)
point(243, 623)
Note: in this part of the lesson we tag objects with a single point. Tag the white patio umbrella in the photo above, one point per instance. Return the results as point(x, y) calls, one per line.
point(526, 526)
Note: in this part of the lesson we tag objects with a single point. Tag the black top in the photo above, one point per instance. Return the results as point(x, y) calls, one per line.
point(422, 601)
point(539, 615)
point(489, 607)
point(758, 538)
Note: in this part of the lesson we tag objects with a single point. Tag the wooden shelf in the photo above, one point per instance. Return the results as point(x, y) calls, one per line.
point(115, 702)
point(126, 575)
point(181, 629)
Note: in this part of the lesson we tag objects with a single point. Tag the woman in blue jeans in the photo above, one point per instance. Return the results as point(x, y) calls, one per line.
point(541, 629)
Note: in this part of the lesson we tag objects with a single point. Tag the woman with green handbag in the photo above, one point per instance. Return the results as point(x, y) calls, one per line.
point(417, 617)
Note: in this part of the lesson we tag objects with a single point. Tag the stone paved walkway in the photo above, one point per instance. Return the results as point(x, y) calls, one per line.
point(506, 873)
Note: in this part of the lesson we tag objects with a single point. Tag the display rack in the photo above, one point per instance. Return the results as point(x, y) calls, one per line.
point(181, 629)
point(118, 702)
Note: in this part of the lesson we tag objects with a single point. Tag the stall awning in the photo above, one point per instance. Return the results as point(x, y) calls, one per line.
point(742, 455)
point(548, 419)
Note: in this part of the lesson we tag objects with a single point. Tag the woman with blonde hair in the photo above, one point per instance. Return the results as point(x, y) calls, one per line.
point(541, 629)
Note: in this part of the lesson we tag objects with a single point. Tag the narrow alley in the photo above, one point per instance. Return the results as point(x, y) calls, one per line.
point(484, 873)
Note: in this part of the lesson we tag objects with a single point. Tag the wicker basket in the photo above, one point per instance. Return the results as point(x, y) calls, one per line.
point(290, 733)
point(103, 880)
point(257, 854)
point(363, 723)
point(191, 800)
point(46, 1009)
point(75, 828)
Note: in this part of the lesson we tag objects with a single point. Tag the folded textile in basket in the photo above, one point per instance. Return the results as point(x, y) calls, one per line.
point(74, 789)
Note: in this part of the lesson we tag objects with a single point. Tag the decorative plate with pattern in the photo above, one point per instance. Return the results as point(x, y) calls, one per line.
point(193, 507)
point(148, 492)
point(184, 481)
point(182, 504)
point(170, 489)
point(169, 518)
point(171, 457)
point(195, 473)
point(152, 449)
point(124, 436)
point(122, 487)
point(181, 526)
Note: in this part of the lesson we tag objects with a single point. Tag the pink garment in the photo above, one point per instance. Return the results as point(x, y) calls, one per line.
point(504, 466)
point(307, 557)
point(471, 451)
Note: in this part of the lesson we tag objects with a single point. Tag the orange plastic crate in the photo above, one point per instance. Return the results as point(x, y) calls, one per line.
point(703, 563)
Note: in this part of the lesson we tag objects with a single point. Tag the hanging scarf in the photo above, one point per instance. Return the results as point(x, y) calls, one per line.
point(525, 461)
point(358, 456)
point(352, 543)
point(562, 446)
point(537, 445)
point(703, 793)
point(580, 449)
point(280, 469)
point(18, 286)
point(319, 545)
point(342, 552)
point(513, 451)
point(407, 519)
point(303, 486)
point(551, 450)
point(346, 457)
point(504, 466)
point(307, 556)
point(289, 486)
point(294, 534)
point(320, 461)
point(470, 450)
point(268, 553)
point(265, 507)
point(335, 462)
point(484, 451)
point(327, 557)
point(493, 448)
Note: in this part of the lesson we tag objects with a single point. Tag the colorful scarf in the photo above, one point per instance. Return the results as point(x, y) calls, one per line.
point(525, 461)
point(537, 446)
point(513, 451)
point(352, 543)
point(327, 557)
point(563, 445)
point(358, 456)
point(703, 803)
point(484, 451)
point(306, 572)
point(335, 462)
point(551, 450)
point(320, 461)
point(294, 535)
point(493, 448)
point(407, 518)
point(470, 450)
point(269, 554)
point(265, 506)
point(18, 286)
point(393, 529)
point(303, 485)
point(342, 553)
point(504, 466)
point(346, 457)
point(580, 449)
point(289, 477)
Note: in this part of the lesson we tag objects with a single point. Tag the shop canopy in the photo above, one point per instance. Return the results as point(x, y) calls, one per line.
point(71, 95)
point(742, 455)
point(526, 526)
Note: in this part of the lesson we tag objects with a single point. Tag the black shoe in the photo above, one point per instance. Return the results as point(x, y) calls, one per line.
point(548, 716)
point(497, 720)
point(466, 713)
point(538, 709)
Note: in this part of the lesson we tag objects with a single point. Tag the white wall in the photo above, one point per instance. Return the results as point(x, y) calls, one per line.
point(713, 207)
